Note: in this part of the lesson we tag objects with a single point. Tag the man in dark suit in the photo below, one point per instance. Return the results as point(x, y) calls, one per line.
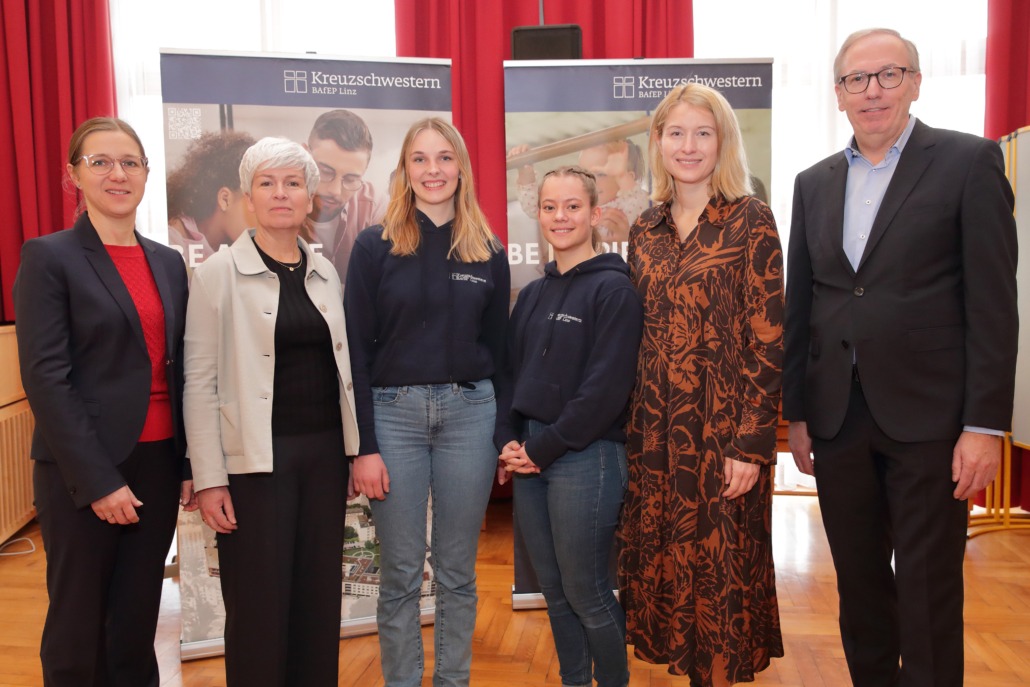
point(900, 359)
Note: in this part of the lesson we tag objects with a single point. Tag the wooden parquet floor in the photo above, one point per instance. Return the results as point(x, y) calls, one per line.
point(514, 649)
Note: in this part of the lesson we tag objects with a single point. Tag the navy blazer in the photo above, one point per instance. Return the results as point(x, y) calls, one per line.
point(84, 360)
point(931, 309)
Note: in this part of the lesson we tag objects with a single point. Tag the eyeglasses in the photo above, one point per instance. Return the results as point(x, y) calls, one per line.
point(102, 165)
point(350, 182)
point(889, 77)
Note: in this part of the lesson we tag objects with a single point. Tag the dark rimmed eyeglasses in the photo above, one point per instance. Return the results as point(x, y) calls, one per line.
point(102, 165)
point(889, 77)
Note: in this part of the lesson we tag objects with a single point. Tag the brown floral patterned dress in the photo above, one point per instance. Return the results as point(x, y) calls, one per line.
point(696, 570)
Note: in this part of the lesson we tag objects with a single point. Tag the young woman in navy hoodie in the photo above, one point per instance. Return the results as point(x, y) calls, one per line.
point(573, 340)
point(427, 310)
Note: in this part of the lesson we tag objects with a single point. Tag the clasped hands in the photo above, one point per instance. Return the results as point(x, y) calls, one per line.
point(513, 458)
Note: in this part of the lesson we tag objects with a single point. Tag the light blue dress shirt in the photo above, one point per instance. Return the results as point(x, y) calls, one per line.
point(867, 184)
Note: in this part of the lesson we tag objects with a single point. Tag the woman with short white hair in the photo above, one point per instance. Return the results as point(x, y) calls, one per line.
point(270, 420)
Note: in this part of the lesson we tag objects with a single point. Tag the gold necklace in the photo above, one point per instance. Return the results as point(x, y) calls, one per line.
point(288, 266)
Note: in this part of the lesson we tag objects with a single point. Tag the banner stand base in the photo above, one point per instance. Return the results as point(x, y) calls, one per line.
point(526, 601)
point(206, 648)
point(367, 626)
point(209, 648)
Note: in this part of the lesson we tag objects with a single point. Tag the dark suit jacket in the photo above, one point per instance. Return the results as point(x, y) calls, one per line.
point(84, 361)
point(931, 310)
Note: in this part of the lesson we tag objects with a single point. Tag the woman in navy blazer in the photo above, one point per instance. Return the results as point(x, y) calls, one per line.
point(100, 314)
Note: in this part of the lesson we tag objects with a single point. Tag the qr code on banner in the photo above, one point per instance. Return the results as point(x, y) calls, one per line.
point(183, 123)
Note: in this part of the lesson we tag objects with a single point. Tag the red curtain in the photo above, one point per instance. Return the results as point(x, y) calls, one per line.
point(477, 37)
point(1007, 109)
point(55, 71)
point(1008, 65)
point(619, 29)
point(1020, 478)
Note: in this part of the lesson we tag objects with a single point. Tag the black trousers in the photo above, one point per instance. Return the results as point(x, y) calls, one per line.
point(104, 581)
point(881, 497)
point(281, 571)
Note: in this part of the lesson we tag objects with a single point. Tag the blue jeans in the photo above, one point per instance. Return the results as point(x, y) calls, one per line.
point(568, 514)
point(433, 439)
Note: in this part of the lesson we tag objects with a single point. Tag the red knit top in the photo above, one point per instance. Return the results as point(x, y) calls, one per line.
point(139, 280)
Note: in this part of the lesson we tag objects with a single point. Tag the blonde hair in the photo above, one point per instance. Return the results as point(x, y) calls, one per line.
point(730, 178)
point(589, 182)
point(471, 238)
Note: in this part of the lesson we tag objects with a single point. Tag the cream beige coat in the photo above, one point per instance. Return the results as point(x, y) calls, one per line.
point(230, 360)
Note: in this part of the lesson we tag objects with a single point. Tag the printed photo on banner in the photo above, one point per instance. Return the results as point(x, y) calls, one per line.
point(355, 149)
point(352, 116)
point(596, 114)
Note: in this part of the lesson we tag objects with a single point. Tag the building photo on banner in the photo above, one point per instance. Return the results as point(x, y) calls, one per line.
point(352, 115)
point(596, 114)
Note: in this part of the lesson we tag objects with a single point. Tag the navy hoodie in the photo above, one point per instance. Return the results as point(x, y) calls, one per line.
point(422, 319)
point(572, 347)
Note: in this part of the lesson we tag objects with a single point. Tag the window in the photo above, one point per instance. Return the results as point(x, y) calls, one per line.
point(357, 28)
point(803, 36)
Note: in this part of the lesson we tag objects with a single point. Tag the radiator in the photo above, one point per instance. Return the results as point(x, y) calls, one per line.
point(16, 507)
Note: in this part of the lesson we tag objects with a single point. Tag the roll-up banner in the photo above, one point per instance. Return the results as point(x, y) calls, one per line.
point(1016, 147)
point(596, 114)
point(353, 115)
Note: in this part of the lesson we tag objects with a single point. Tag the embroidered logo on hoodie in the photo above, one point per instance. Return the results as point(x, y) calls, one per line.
point(463, 276)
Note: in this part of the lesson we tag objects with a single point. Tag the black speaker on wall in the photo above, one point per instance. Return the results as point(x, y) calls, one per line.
point(553, 42)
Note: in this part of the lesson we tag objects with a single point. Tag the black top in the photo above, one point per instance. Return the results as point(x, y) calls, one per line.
point(573, 344)
point(422, 319)
point(306, 391)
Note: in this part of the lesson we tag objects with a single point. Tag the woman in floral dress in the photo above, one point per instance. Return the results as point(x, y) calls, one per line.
point(696, 567)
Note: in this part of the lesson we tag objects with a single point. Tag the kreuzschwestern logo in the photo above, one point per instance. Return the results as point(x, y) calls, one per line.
point(295, 81)
point(329, 83)
point(623, 87)
point(649, 87)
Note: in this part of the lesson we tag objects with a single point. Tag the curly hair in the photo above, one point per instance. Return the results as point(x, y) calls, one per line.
point(211, 162)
